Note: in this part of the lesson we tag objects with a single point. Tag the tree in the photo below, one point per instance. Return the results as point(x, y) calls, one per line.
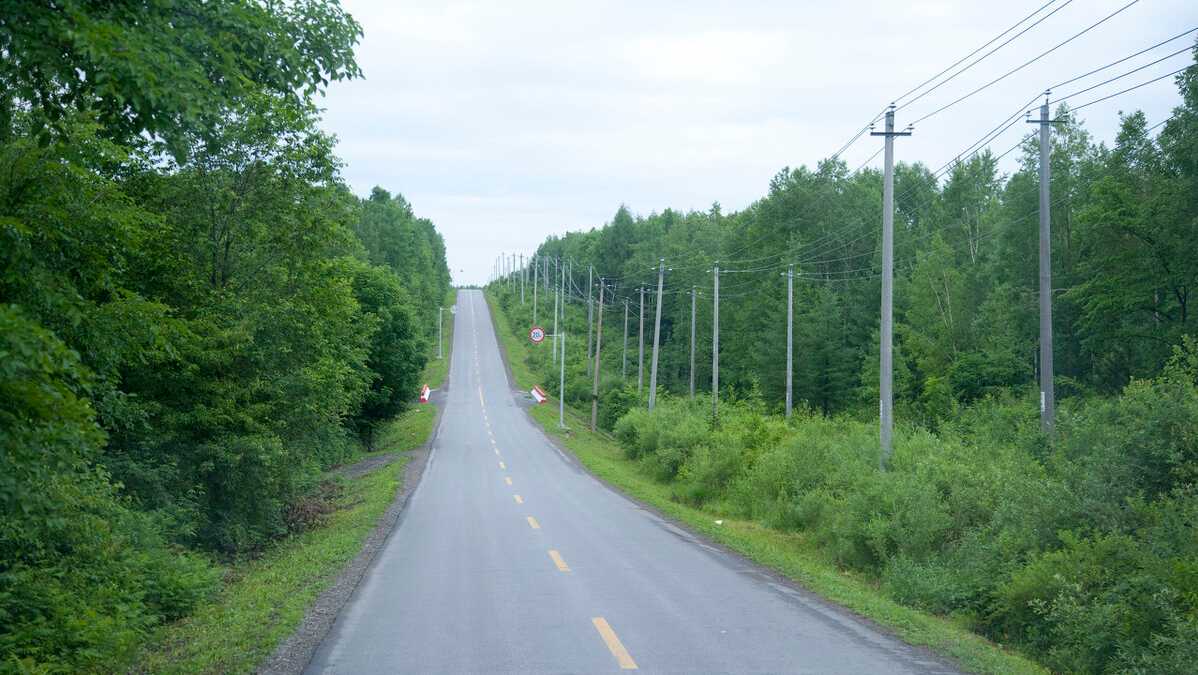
point(163, 67)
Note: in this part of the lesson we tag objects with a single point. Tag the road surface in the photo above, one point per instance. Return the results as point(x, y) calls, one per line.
point(510, 559)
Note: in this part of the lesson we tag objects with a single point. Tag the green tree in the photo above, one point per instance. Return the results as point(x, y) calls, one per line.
point(163, 67)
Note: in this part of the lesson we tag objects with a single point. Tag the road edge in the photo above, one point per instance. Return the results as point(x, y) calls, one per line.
point(293, 654)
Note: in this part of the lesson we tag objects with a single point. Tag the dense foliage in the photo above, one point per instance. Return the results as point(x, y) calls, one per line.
point(197, 315)
point(966, 323)
point(1080, 546)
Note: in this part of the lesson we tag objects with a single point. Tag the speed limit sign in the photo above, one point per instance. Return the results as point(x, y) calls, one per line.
point(537, 334)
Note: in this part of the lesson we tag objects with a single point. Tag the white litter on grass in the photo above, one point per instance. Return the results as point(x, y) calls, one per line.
point(719, 522)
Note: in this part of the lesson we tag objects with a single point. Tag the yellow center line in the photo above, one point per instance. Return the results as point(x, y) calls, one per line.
point(492, 441)
point(557, 560)
point(497, 451)
point(502, 466)
point(508, 479)
point(533, 522)
point(480, 397)
point(613, 643)
point(518, 500)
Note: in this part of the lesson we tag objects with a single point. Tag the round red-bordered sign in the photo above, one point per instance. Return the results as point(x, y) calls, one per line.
point(537, 334)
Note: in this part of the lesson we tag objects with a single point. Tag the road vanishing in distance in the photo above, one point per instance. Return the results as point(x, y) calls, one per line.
point(509, 558)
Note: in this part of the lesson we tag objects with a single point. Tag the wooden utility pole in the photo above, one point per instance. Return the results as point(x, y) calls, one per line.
point(790, 331)
point(640, 350)
point(598, 342)
point(661, 275)
point(715, 347)
point(624, 370)
point(693, 294)
point(590, 314)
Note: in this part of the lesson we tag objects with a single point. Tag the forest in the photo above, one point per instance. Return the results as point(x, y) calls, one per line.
point(1078, 546)
point(197, 315)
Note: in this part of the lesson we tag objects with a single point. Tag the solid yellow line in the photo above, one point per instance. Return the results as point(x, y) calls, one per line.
point(613, 643)
point(508, 479)
point(518, 500)
point(502, 466)
point(557, 560)
point(533, 522)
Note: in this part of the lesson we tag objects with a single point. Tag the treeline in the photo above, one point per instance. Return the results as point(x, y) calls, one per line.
point(1079, 546)
point(966, 290)
point(198, 317)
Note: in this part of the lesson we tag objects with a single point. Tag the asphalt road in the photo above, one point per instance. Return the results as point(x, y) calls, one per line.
point(511, 559)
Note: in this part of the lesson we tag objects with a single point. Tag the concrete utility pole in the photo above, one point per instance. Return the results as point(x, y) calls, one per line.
point(715, 346)
point(536, 270)
point(661, 276)
point(570, 287)
point(887, 373)
point(693, 294)
point(1048, 406)
point(590, 313)
point(556, 302)
point(561, 401)
point(522, 276)
point(598, 342)
point(624, 370)
point(640, 350)
point(790, 331)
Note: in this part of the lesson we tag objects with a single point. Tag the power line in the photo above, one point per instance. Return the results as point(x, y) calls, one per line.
point(978, 50)
point(1026, 64)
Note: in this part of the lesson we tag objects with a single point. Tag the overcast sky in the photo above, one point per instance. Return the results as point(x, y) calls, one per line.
point(506, 122)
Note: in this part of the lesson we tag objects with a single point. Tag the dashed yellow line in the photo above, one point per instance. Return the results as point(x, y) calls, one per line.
point(518, 500)
point(480, 397)
point(533, 523)
point(497, 451)
point(502, 466)
point(613, 643)
point(508, 479)
point(557, 560)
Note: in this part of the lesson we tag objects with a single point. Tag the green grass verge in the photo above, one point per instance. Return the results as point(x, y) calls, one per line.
point(409, 430)
point(264, 599)
point(517, 350)
point(788, 553)
point(438, 369)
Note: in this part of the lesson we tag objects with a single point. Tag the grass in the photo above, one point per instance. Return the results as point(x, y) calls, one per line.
point(264, 599)
point(517, 350)
point(786, 552)
point(407, 431)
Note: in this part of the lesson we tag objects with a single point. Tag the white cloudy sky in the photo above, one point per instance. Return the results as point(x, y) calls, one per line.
point(505, 122)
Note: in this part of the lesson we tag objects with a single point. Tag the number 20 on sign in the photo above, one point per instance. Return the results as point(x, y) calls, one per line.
point(537, 334)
